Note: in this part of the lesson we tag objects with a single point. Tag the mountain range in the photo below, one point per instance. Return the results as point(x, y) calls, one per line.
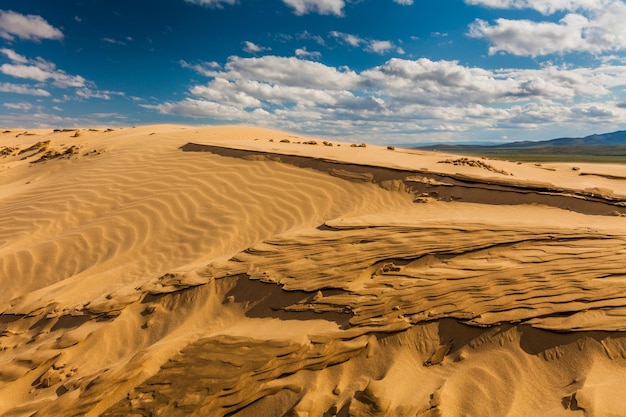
point(590, 147)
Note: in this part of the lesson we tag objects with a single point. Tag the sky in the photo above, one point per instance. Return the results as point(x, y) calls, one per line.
point(381, 71)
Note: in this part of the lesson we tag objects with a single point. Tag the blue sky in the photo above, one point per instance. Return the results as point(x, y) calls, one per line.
point(383, 71)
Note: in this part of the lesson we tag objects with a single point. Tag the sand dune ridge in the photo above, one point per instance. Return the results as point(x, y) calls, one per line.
point(171, 270)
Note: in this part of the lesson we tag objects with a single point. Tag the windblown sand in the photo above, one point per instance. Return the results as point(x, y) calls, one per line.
point(174, 271)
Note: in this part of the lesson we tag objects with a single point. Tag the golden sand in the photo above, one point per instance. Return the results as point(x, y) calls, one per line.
point(170, 270)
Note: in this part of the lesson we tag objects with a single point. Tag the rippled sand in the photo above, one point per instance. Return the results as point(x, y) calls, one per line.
point(170, 270)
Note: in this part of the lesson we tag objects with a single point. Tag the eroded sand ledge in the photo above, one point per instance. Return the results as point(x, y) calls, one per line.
point(168, 270)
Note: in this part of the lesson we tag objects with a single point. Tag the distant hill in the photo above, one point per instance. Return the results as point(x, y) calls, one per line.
point(606, 147)
point(604, 139)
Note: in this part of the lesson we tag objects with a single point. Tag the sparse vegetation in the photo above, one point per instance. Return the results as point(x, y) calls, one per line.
point(37, 147)
point(474, 163)
point(7, 150)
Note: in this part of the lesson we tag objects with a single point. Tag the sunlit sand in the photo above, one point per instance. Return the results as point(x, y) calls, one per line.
point(171, 270)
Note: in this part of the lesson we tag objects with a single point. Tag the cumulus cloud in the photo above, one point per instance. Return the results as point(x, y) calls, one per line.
point(593, 26)
point(256, 94)
point(42, 72)
point(87, 93)
point(18, 106)
point(27, 27)
point(39, 118)
point(13, 56)
point(253, 48)
point(302, 7)
point(304, 53)
point(23, 89)
point(207, 69)
point(204, 109)
point(594, 111)
point(290, 71)
point(543, 6)
point(39, 70)
point(399, 96)
point(369, 45)
point(347, 38)
point(380, 47)
point(223, 91)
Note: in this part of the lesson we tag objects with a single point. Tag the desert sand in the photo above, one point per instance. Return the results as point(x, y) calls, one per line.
point(176, 270)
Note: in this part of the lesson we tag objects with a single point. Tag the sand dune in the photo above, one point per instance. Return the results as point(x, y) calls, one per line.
point(171, 270)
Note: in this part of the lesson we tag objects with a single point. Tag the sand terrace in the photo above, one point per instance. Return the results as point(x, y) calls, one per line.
point(171, 270)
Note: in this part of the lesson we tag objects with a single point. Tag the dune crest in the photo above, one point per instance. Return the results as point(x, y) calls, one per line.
point(173, 270)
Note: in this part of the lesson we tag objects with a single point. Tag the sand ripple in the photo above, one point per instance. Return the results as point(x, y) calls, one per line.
point(175, 271)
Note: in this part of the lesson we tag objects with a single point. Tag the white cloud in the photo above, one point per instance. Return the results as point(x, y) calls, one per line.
point(108, 116)
point(253, 48)
point(223, 91)
point(205, 109)
point(212, 3)
point(404, 2)
point(41, 119)
point(352, 40)
point(380, 47)
point(18, 106)
point(39, 73)
point(306, 35)
point(435, 82)
point(27, 27)
point(39, 70)
point(593, 26)
point(256, 94)
point(543, 6)
point(402, 96)
point(43, 71)
point(88, 93)
point(304, 53)
point(596, 111)
point(302, 7)
point(14, 56)
point(207, 69)
point(290, 72)
point(369, 45)
point(23, 89)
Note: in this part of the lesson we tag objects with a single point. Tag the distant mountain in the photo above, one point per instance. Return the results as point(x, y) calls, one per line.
point(606, 147)
point(604, 139)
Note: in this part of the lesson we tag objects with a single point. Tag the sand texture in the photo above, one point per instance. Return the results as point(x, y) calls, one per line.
point(174, 271)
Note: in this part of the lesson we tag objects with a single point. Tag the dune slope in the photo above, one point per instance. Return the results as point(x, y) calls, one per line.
point(170, 270)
